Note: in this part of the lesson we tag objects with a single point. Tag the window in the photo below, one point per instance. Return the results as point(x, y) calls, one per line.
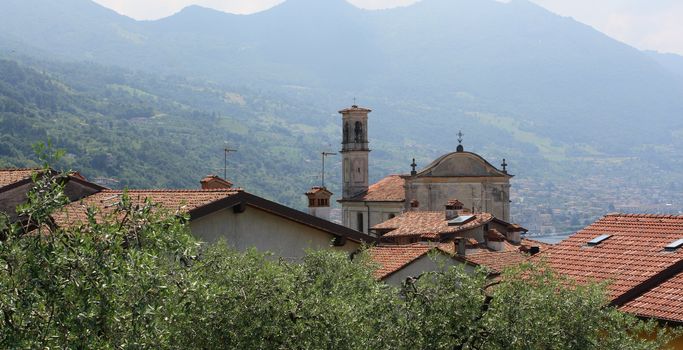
point(311, 202)
point(674, 245)
point(597, 240)
point(359, 220)
point(358, 131)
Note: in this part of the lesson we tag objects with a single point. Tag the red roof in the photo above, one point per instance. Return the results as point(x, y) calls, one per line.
point(181, 201)
point(389, 189)
point(392, 258)
point(427, 224)
point(664, 302)
point(10, 176)
point(632, 258)
point(496, 261)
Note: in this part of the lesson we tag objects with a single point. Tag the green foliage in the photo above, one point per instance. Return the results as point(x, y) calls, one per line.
point(132, 278)
point(101, 285)
point(545, 311)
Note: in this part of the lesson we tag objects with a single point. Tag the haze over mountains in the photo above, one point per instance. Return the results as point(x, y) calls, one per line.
point(554, 95)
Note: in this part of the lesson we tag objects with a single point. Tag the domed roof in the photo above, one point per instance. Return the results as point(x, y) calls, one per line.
point(461, 164)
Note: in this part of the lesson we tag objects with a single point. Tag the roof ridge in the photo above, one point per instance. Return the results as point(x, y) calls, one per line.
point(20, 169)
point(645, 216)
point(171, 190)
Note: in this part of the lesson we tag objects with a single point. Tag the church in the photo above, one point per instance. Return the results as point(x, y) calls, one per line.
point(461, 175)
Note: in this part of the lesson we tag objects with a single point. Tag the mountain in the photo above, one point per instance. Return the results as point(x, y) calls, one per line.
point(557, 78)
point(573, 111)
point(670, 61)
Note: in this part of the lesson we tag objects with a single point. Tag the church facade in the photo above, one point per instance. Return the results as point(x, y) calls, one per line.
point(461, 175)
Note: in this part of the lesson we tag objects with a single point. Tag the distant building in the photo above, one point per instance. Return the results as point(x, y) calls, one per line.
point(463, 175)
point(457, 234)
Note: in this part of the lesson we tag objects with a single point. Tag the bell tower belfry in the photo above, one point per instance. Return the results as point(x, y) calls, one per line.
point(354, 151)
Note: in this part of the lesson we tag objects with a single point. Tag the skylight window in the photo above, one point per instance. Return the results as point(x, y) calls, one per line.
point(599, 239)
point(461, 220)
point(674, 245)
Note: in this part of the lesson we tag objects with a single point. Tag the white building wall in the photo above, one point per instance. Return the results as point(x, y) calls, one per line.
point(255, 228)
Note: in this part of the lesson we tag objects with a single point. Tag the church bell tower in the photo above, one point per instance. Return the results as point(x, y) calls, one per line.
point(354, 151)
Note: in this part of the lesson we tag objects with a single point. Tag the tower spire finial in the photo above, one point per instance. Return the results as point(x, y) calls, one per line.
point(460, 147)
point(413, 165)
point(505, 166)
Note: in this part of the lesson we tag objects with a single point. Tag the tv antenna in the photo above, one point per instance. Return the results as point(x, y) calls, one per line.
point(325, 154)
point(226, 150)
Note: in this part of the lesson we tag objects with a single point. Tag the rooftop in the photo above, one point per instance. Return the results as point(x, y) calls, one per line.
point(182, 201)
point(645, 276)
point(389, 189)
point(428, 224)
point(10, 176)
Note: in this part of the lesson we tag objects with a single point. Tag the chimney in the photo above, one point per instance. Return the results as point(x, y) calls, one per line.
point(319, 202)
point(213, 182)
point(453, 208)
point(414, 205)
point(494, 240)
point(460, 246)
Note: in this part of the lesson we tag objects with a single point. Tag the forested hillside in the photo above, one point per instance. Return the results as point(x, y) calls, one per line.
point(148, 131)
point(588, 124)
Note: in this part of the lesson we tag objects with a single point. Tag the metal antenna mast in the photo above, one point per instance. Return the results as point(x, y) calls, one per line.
point(226, 150)
point(325, 154)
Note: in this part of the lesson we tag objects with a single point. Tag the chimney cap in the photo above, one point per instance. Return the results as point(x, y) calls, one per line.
point(494, 235)
point(454, 204)
point(211, 182)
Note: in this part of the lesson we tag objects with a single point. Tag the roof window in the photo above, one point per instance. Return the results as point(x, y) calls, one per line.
point(460, 220)
point(597, 240)
point(674, 245)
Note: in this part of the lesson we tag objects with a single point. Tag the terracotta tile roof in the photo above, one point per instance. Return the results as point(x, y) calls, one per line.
point(355, 108)
point(427, 224)
point(173, 200)
point(392, 258)
point(389, 189)
point(318, 189)
point(534, 243)
point(10, 176)
point(633, 255)
point(664, 302)
point(496, 261)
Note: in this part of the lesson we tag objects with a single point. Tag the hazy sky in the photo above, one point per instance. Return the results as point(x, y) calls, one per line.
point(645, 24)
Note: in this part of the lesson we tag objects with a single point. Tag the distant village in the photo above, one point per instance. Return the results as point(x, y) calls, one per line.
point(459, 208)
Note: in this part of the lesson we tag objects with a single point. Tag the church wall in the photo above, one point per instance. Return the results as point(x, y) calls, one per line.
point(482, 194)
point(264, 231)
point(379, 212)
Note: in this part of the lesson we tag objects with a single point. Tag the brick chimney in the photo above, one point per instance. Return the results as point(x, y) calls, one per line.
point(495, 240)
point(319, 202)
point(213, 182)
point(453, 208)
point(460, 244)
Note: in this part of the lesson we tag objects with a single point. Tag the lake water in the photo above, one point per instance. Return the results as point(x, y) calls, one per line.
point(551, 239)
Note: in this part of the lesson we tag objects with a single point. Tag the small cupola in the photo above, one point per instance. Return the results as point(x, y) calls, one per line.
point(319, 202)
point(213, 182)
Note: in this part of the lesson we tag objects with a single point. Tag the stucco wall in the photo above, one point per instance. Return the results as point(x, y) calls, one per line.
point(264, 231)
point(379, 212)
point(482, 194)
point(422, 265)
